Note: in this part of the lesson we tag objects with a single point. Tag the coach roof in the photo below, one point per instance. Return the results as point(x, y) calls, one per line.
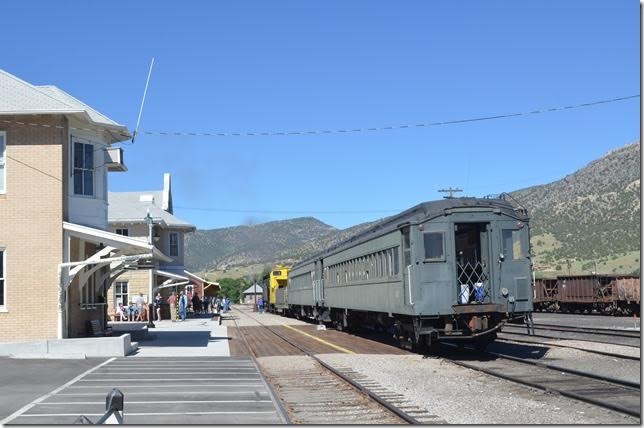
point(420, 213)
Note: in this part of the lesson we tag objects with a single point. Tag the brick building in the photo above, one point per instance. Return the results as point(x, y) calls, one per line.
point(57, 259)
point(127, 216)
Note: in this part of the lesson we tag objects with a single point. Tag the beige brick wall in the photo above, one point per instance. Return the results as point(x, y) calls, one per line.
point(31, 232)
point(137, 283)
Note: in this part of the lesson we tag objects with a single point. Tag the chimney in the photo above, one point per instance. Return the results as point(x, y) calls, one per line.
point(167, 193)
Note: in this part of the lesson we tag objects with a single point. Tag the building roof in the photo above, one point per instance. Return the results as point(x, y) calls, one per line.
point(253, 289)
point(18, 97)
point(132, 207)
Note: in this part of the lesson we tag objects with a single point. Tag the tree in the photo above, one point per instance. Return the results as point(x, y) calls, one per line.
point(232, 287)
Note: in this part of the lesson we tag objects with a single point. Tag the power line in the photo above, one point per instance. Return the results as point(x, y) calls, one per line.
point(383, 128)
point(334, 131)
point(228, 210)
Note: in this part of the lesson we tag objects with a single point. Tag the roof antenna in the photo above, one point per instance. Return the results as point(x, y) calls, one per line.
point(451, 192)
point(138, 120)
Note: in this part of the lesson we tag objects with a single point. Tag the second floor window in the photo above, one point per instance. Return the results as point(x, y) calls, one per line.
point(2, 303)
point(3, 148)
point(174, 244)
point(124, 232)
point(83, 169)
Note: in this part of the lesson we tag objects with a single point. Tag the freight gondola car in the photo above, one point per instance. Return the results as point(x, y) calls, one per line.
point(454, 269)
point(608, 294)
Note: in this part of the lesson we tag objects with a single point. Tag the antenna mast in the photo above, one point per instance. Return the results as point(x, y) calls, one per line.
point(451, 192)
point(145, 92)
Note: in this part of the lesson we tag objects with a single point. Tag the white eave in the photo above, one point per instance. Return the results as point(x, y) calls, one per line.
point(171, 275)
point(125, 244)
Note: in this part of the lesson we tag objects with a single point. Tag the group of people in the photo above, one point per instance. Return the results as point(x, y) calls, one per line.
point(137, 311)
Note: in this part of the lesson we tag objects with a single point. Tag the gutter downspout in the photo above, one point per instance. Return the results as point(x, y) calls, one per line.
point(62, 288)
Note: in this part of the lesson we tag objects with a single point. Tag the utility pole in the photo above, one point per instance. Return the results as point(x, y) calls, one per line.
point(451, 192)
point(148, 219)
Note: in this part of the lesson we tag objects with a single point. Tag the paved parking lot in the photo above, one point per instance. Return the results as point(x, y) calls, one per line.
point(170, 390)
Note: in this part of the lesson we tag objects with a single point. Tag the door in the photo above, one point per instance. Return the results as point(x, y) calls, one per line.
point(512, 260)
point(318, 283)
point(407, 267)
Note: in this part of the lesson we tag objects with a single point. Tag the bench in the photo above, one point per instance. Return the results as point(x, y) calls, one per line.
point(95, 329)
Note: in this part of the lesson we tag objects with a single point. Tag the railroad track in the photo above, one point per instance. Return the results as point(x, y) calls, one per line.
point(614, 394)
point(315, 392)
point(630, 339)
point(578, 348)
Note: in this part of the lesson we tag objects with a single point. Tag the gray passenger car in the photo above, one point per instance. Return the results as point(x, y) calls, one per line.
point(452, 269)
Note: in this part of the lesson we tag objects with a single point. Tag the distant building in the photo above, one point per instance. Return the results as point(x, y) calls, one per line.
point(252, 293)
point(127, 217)
point(57, 259)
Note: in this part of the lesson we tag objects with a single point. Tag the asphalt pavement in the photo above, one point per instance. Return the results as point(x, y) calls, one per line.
point(23, 381)
point(159, 391)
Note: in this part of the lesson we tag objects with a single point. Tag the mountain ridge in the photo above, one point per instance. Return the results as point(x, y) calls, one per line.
point(587, 219)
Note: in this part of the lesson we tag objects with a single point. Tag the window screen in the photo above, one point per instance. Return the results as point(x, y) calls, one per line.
point(433, 246)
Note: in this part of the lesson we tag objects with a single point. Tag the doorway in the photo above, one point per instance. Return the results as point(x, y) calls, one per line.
point(472, 262)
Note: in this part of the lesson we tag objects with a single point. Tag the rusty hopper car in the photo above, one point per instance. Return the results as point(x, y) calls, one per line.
point(609, 294)
point(546, 294)
point(454, 269)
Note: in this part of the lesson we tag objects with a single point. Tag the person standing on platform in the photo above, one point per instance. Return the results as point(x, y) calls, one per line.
point(157, 305)
point(196, 304)
point(172, 301)
point(183, 305)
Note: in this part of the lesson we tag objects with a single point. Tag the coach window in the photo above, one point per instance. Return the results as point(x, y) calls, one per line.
point(406, 247)
point(396, 262)
point(512, 249)
point(434, 249)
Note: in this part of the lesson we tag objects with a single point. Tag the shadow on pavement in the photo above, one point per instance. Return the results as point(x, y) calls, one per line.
point(180, 339)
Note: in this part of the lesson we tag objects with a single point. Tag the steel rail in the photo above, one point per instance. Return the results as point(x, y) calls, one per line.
point(370, 394)
point(547, 388)
point(612, 380)
point(589, 330)
point(271, 391)
point(593, 351)
point(568, 338)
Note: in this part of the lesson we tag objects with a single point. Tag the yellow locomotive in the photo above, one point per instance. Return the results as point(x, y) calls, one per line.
point(275, 289)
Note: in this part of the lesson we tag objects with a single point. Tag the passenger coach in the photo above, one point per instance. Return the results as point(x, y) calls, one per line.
point(453, 269)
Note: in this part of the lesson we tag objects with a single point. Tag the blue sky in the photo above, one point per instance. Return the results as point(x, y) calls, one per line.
point(292, 65)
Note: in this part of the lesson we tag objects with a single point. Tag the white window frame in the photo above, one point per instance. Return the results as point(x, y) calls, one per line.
point(3, 278)
point(121, 294)
point(170, 245)
point(3, 162)
point(73, 168)
point(88, 292)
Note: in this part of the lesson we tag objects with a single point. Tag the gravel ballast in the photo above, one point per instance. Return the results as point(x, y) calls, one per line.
point(463, 396)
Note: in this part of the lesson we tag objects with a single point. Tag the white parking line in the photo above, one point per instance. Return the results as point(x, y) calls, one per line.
point(219, 391)
point(207, 379)
point(34, 415)
point(22, 410)
point(135, 371)
point(173, 385)
point(67, 403)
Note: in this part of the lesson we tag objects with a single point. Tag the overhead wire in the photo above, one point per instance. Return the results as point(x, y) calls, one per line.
point(333, 131)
